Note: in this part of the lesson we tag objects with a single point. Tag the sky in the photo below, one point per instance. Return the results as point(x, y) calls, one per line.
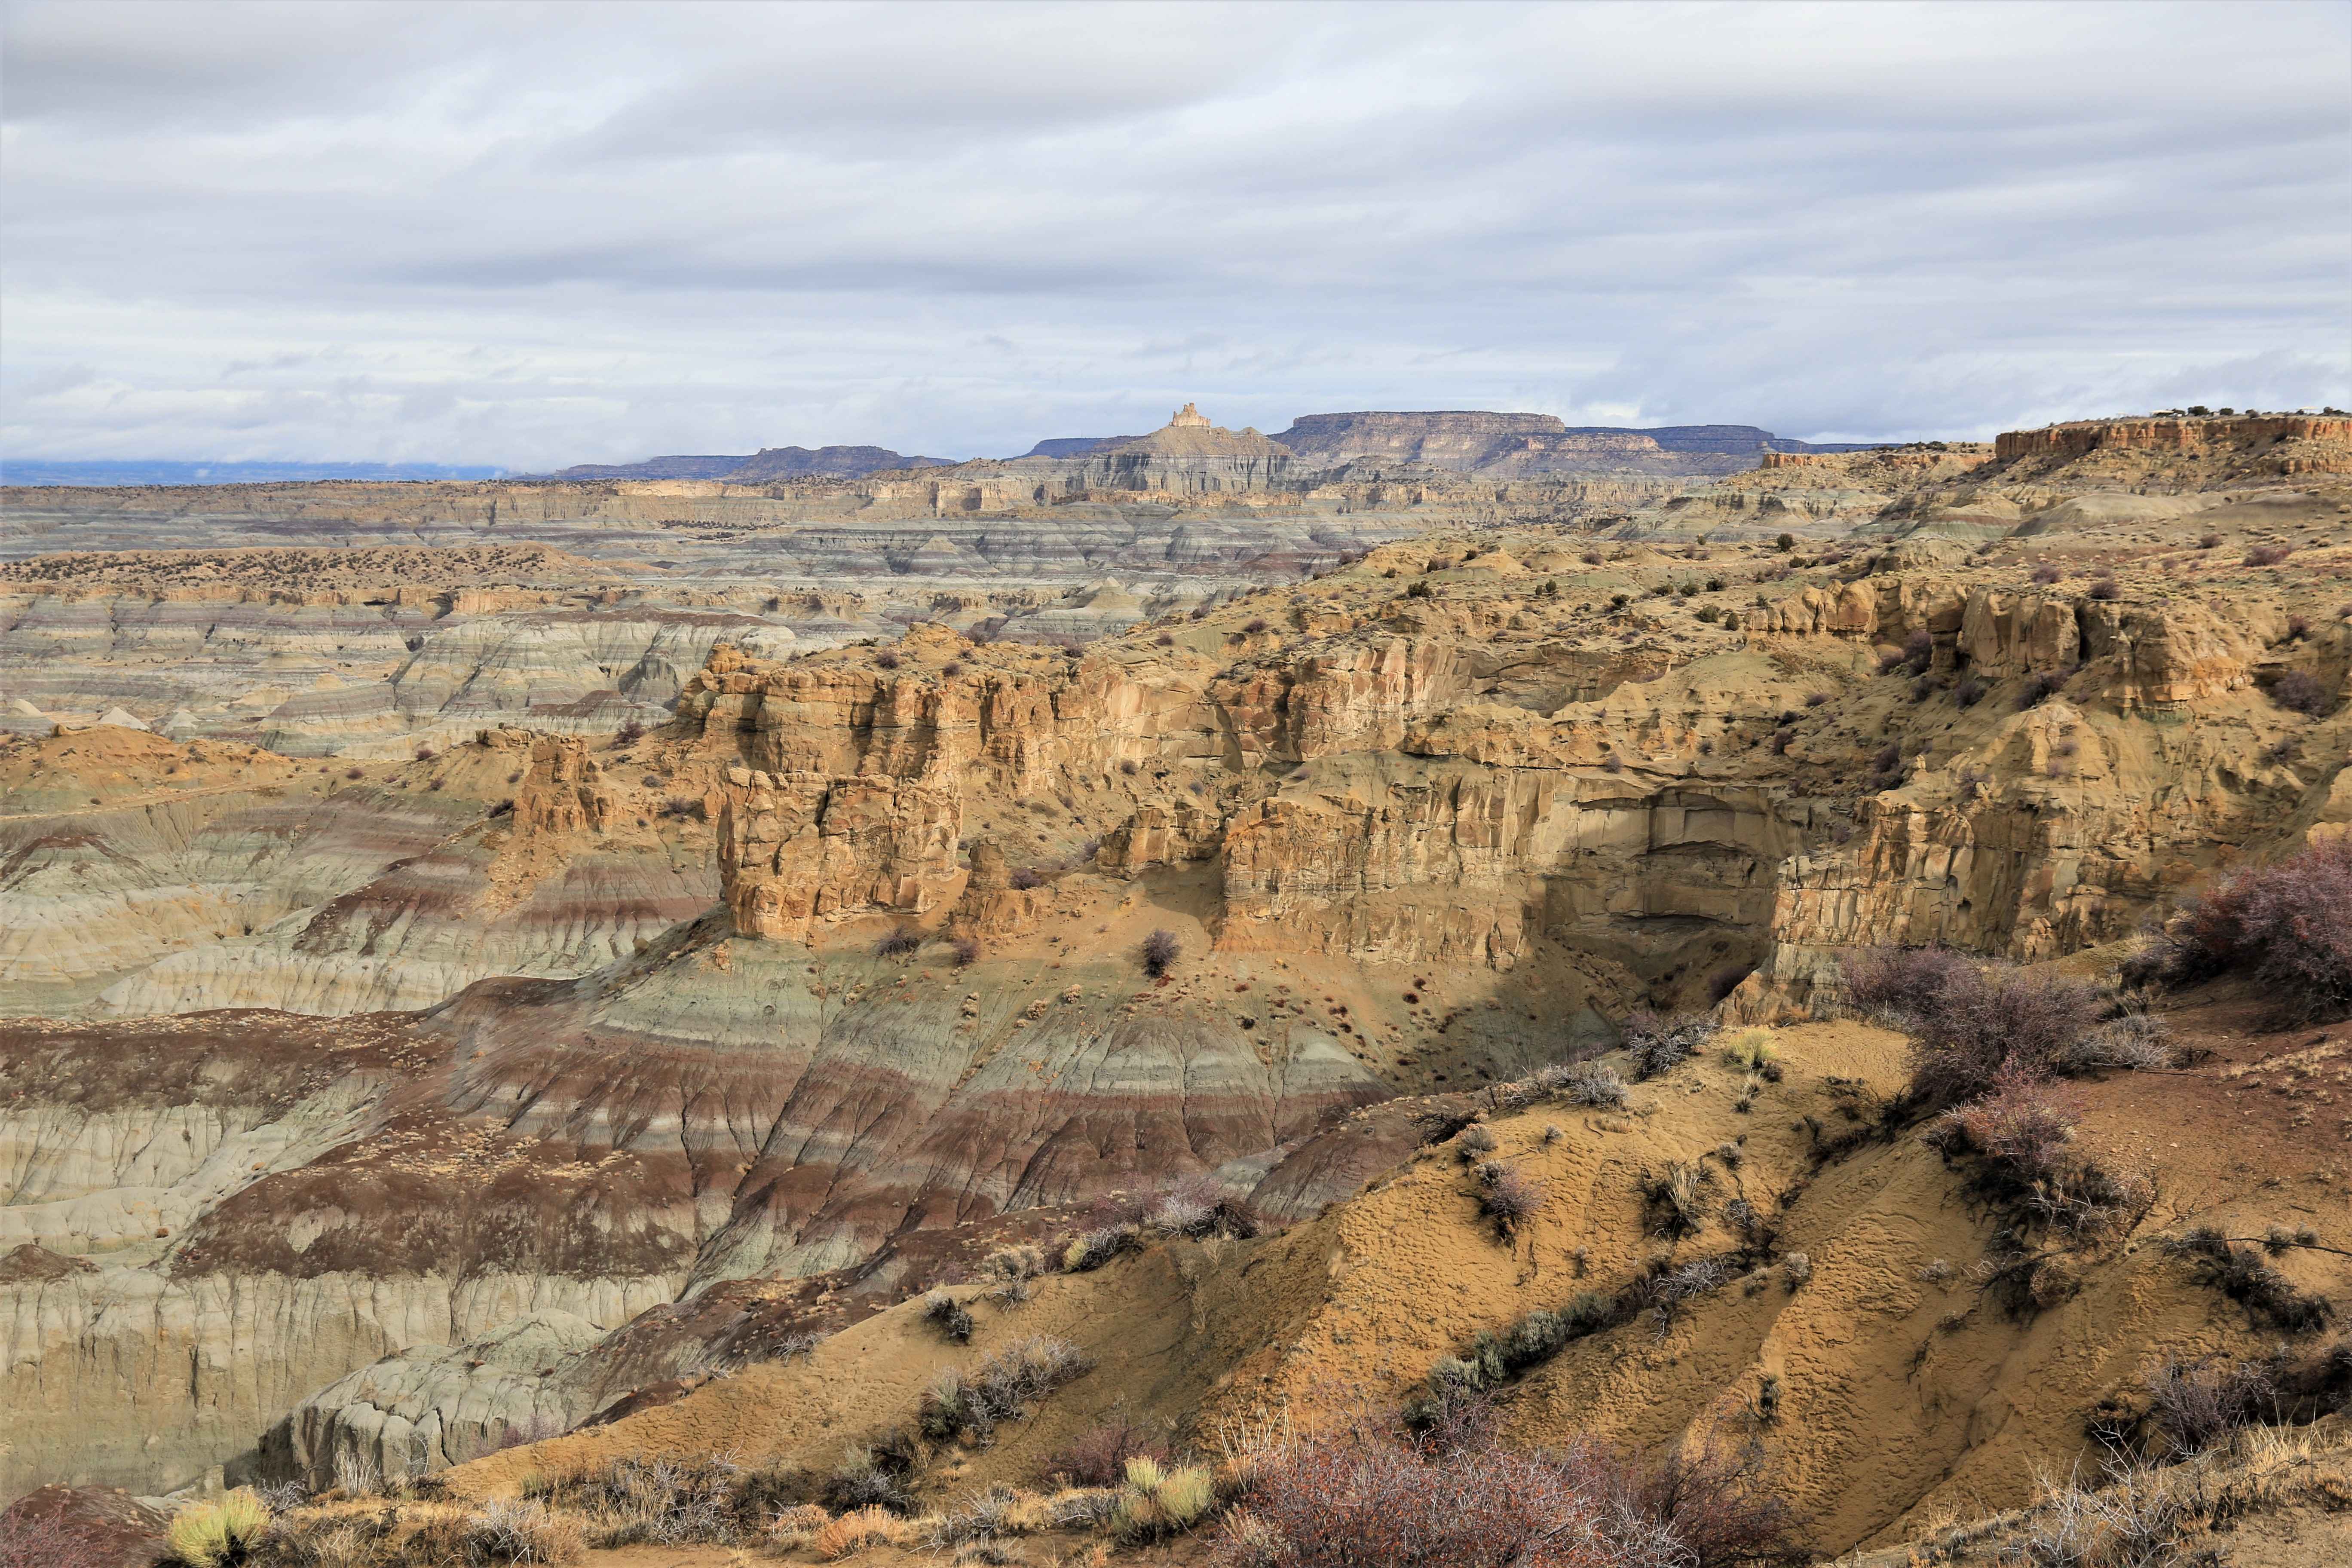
point(536, 235)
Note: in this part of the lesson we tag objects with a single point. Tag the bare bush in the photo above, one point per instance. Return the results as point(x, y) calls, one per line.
point(2271, 1300)
point(973, 1403)
point(2196, 1405)
point(2300, 691)
point(522, 1531)
point(902, 942)
point(1098, 1457)
point(1510, 1200)
point(1967, 1022)
point(1592, 1083)
point(1659, 1045)
point(1159, 952)
point(1363, 1495)
point(2136, 1042)
point(2288, 924)
point(948, 1315)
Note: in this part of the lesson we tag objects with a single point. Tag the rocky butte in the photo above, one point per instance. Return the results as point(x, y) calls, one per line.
point(1824, 978)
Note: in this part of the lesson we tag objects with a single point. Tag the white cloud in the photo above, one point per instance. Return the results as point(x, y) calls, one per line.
point(543, 233)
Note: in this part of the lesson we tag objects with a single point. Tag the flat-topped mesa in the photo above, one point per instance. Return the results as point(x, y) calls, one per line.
point(2080, 438)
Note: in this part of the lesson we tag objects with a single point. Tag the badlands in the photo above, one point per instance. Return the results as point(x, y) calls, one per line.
point(1179, 997)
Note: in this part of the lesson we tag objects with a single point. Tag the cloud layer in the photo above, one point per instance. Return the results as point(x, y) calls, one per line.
point(537, 235)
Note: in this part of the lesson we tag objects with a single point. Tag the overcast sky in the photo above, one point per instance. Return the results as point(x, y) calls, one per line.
point(537, 234)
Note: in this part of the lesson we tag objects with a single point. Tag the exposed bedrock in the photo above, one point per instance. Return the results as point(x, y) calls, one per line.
point(236, 879)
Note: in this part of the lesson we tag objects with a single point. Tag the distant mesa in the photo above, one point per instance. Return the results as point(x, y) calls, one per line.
point(769, 463)
point(1475, 441)
point(1461, 440)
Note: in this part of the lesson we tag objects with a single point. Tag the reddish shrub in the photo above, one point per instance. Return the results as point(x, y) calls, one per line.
point(2023, 1125)
point(1967, 1023)
point(2288, 924)
point(1098, 1459)
point(1363, 1497)
point(2300, 691)
point(1904, 980)
point(2268, 554)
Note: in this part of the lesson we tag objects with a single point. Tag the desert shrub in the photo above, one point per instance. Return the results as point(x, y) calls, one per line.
point(1157, 1500)
point(1159, 952)
point(948, 1315)
point(1918, 652)
point(642, 1501)
point(1510, 1199)
point(2136, 1042)
point(2104, 588)
point(217, 1534)
point(2270, 1299)
point(1257, 624)
point(1097, 1247)
point(2288, 924)
point(2268, 554)
point(1750, 1048)
point(901, 942)
point(963, 952)
point(47, 1539)
point(1473, 1140)
point(2046, 573)
point(523, 1531)
point(1025, 877)
point(1366, 1495)
point(872, 1475)
point(862, 1528)
point(984, 1515)
point(885, 659)
point(2196, 1405)
point(2208, 541)
point(1417, 590)
point(1969, 691)
point(2300, 691)
point(1676, 1203)
point(1021, 1260)
point(1902, 982)
point(1098, 1457)
point(2022, 1133)
point(1659, 1045)
point(2040, 686)
point(1667, 1290)
point(1002, 1387)
point(1780, 739)
point(1594, 1084)
point(1966, 1022)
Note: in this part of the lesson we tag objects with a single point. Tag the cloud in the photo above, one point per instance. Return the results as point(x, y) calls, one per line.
point(535, 234)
